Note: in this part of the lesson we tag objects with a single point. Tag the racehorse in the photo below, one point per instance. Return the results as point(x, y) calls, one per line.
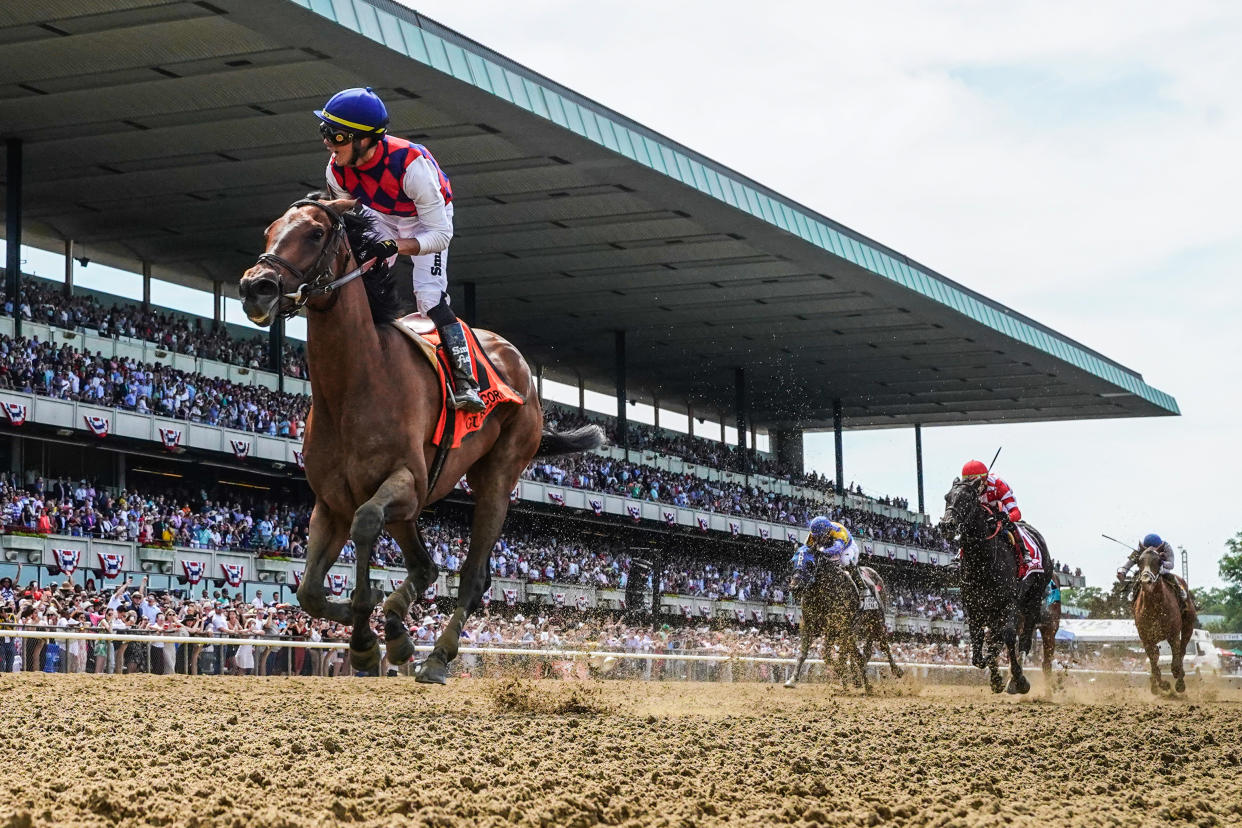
point(375, 405)
point(993, 596)
point(872, 624)
point(1158, 619)
point(830, 608)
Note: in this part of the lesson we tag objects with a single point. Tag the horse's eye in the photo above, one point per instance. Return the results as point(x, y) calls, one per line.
point(317, 234)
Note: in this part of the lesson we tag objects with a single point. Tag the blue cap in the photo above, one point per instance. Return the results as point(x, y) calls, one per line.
point(358, 109)
point(1152, 540)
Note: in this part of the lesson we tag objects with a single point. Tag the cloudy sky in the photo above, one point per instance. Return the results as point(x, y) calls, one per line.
point(1078, 162)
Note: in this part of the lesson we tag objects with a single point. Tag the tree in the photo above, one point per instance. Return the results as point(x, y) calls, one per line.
point(1097, 602)
point(1229, 599)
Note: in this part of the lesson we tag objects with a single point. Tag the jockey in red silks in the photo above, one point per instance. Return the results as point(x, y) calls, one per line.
point(996, 495)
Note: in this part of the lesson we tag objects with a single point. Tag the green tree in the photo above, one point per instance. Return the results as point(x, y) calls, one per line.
point(1228, 601)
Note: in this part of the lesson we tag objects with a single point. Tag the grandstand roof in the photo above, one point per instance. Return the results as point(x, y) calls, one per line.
point(173, 132)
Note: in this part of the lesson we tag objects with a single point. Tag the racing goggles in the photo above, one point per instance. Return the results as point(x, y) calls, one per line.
point(334, 135)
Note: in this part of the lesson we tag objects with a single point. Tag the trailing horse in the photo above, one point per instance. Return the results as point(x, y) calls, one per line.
point(375, 406)
point(1158, 618)
point(993, 596)
point(830, 609)
point(872, 623)
point(1048, 623)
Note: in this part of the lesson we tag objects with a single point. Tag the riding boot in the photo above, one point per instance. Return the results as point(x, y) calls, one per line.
point(465, 389)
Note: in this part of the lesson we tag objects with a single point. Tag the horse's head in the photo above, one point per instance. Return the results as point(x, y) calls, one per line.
point(963, 514)
point(304, 248)
point(1150, 563)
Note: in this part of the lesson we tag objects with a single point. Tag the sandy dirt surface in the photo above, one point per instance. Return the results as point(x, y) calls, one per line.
point(206, 751)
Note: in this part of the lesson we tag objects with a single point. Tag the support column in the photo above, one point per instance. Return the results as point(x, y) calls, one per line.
point(538, 378)
point(68, 267)
point(720, 415)
point(655, 411)
point(468, 307)
point(217, 305)
point(743, 414)
point(13, 228)
point(120, 471)
point(275, 352)
point(623, 435)
point(581, 395)
point(146, 286)
point(918, 462)
point(689, 419)
point(836, 433)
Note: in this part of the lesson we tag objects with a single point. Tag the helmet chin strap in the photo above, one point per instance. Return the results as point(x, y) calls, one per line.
point(358, 153)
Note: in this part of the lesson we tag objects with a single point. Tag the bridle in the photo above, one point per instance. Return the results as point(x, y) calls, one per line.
point(317, 279)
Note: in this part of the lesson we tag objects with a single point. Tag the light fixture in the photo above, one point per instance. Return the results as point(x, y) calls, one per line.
point(166, 568)
point(265, 576)
point(35, 557)
point(148, 566)
point(282, 577)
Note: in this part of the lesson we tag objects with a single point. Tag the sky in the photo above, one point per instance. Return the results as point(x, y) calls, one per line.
point(1077, 162)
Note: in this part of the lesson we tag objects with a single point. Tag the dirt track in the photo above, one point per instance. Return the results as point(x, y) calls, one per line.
point(285, 752)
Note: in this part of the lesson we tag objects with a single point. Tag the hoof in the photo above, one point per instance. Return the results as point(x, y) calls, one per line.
point(432, 671)
point(996, 682)
point(400, 649)
point(1180, 686)
point(791, 683)
point(1018, 685)
point(365, 661)
point(898, 672)
point(1165, 686)
point(1155, 689)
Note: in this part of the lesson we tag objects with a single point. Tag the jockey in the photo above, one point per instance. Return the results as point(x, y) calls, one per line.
point(399, 185)
point(1167, 561)
point(833, 541)
point(995, 494)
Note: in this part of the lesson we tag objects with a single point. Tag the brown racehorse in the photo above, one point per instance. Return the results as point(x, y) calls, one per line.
point(1047, 619)
point(830, 608)
point(375, 402)
point(1158, 618)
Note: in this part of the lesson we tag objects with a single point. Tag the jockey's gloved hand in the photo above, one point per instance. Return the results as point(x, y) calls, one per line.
point(385, 249)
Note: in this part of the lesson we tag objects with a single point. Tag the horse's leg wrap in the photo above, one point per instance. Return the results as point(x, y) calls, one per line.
point(420, 573)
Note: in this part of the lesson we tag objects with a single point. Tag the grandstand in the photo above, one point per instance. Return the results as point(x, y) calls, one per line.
point(620, 261)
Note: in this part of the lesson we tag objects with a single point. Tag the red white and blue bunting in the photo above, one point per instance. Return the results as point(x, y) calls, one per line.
point(581, 603)
point(111, 563)
point(16, 412)
point(337, 583)
point(514, 495)
point(636, 512)
point(170, 437)
point(430, 593)
point(487, 597)
point(557, 498)
point(703, 523)
point(597, 506)
point(511, 597)
point(233, 573)
point(99, 426)
point(67, 560)
point(241, 448)
point(300, 459)
point(670, 518)
point(298, 574)
point(791, 535)
point(734, 527)
point(558, 598)
point(764, 532)
point(194, 571)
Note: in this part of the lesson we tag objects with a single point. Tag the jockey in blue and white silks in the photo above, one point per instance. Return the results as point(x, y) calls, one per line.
point(830, 540)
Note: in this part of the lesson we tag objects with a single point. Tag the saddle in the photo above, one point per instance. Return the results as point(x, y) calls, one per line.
point(454, 425)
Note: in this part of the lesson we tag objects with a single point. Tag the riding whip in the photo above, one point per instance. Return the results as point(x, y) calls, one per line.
point(1114, 540)
point(994, 456)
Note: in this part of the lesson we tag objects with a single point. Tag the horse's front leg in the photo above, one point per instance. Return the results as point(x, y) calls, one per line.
point(882, 638)
point(976, 642)
point(395, 500)
point(327, 537)
point(792, 681)
point(1153, 656)
point(991, 659)
point(421, 572)
point(1177, 646)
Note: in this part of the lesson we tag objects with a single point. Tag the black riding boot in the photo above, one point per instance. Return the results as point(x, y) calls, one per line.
point(465, 389)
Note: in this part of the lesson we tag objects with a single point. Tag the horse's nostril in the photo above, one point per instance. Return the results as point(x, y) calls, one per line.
point(264, 288)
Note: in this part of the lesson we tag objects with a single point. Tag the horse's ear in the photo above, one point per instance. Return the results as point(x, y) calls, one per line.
point(342, 205)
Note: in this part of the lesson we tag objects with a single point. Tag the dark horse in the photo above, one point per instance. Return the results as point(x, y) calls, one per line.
point(1048, 623)
point(830, 609)
point(1158, 618)
point(375, 402)
point(993, 596)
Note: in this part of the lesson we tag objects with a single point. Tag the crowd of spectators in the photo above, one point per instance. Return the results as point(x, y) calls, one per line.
point(35, 367)
point(134, 609)
point(46, 303)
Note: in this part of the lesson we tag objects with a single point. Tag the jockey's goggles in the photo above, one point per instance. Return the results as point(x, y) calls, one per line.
point(334, 135)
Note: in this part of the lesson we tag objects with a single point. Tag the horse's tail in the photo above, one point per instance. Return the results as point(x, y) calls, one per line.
point(554, 443)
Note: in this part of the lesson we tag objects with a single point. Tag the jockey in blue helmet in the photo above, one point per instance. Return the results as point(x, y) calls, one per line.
point(832, 541)
point(399, 185)
point(1167, 563)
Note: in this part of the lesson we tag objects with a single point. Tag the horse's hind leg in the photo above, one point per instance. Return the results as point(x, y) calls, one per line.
point(492, 479)
point(420, 572)
point(882, 638)
point(327, 537)
point(1153, 656)
point(393, 501)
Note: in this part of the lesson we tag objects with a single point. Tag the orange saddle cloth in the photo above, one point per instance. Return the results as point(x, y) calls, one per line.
point(492, 386)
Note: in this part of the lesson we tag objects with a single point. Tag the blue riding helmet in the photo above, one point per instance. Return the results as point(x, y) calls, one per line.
point(820, 525)
point(1152, 540)
point(803, 558)
point(355, 110)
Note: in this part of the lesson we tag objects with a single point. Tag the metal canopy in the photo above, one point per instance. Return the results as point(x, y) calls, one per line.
point(173, 132)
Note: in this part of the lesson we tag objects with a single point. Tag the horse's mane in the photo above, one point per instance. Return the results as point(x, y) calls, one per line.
point(379, 282)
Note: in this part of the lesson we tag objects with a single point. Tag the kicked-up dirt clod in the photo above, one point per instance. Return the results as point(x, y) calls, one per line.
point(89, 750)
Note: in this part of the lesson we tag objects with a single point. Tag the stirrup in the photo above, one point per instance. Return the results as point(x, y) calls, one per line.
point(467, 400)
